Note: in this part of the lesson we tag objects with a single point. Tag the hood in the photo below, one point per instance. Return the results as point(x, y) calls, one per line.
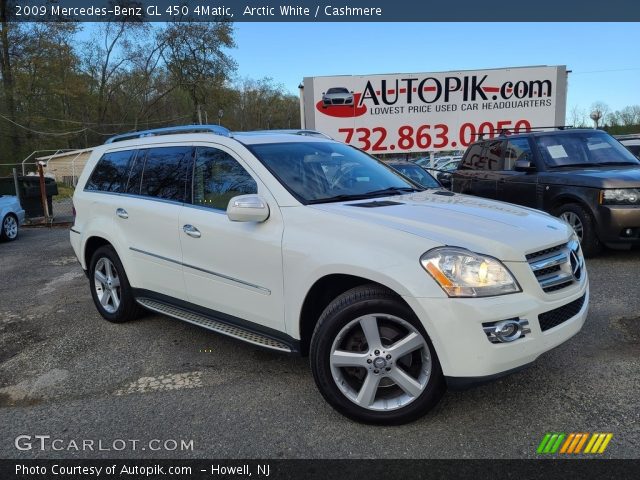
point(499, 229)
point(597, 177)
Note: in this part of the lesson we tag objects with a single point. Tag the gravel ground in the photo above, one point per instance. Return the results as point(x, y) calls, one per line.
point(66, 373)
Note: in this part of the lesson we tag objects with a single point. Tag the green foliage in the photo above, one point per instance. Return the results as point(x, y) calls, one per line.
point(57, 92)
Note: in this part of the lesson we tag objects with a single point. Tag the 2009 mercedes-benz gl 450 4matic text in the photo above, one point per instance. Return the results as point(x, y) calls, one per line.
point(306, 245)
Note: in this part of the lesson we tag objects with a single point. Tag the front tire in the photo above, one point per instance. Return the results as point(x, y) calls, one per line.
point(584, 225)
point(9, 228)
point(110, 288)
point(372, 360)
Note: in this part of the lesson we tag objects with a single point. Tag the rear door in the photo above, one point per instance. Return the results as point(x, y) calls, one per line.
point(518, 187)
point(149, 216)
point(481, 168)
point(234, 268)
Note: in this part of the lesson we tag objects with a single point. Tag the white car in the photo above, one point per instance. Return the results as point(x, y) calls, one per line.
point(11, 217)
point(308, 246)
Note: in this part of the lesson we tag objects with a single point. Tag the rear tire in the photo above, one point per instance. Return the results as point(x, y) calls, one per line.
point(9, 228)
point(110, 288)
point(372, 360)
point(584, 225)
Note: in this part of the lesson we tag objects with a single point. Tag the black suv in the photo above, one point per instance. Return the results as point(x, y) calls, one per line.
point(584, 176)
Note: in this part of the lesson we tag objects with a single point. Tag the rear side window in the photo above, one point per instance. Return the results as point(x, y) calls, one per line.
point(111, 172)
point(165, 173)
point(517, 149)
point(217, 178)
point(472, 158)
point(493, 155)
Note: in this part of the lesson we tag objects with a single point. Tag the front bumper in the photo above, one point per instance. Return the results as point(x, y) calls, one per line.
point(614, 220)
point(465, 353)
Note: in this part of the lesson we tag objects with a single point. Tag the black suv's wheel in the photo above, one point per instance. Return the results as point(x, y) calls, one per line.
point(372, 360)
point(9, 228)
point(584, 225)
point(110, 287)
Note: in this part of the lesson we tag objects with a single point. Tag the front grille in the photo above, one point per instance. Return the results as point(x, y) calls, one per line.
point(555, 317)
point(544, 252)
point(545, 271)
point(557, 267)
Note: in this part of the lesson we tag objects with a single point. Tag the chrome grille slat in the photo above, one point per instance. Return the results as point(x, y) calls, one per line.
point(547, 262)
point(553, 267)
point(553, 280)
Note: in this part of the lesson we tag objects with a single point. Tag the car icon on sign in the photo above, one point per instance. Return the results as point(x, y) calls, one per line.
point(337, 96)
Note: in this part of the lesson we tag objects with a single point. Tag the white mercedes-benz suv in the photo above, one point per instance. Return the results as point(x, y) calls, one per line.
point(305, 245)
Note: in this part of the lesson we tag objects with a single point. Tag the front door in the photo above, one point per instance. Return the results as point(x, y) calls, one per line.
point(231, 267)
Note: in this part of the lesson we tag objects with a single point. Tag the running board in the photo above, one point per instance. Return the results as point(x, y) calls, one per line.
point(214, 325)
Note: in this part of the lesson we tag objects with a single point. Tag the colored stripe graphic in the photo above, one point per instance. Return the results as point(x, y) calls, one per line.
point(583, 439)
point(551, 442)
point(573, 443)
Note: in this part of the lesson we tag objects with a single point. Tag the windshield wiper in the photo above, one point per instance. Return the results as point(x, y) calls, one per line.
point(385, 192)
point(393, 191)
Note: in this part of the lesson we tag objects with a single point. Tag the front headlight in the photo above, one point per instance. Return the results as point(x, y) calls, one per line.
point(620, 196)
point(462, 273)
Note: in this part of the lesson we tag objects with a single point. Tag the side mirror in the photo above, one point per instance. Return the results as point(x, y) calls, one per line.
point(524, 166)
point(247, 208)
point(445, 179)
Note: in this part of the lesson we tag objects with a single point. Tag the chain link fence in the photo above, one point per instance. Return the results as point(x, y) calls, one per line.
point(45, 185)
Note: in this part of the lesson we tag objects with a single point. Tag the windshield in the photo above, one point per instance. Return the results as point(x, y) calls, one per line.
point(583, 149)
point(337, 90)
point(327, 171)
point(417, 174)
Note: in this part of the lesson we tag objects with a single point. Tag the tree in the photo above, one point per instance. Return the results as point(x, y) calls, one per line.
point(602, 110)
point(196, 58)
point(107, 56)
point(578, 117)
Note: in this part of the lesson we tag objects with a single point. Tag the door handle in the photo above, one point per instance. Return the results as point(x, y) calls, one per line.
point(122, 213)
point(191, 231)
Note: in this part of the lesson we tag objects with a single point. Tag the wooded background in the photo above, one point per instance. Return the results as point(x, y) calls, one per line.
point(58, 92)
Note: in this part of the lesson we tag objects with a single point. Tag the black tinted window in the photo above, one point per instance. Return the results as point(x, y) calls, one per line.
point(111, 172)
point(517, 149)
point(217, 178)
point(165, 172)
point(472, 158)
point(135, 173)
point(493, 155)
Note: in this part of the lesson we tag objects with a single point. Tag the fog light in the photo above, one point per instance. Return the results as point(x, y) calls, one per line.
point(506, 331)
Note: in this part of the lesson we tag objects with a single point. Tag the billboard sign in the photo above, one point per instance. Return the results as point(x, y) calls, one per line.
point(404, 113)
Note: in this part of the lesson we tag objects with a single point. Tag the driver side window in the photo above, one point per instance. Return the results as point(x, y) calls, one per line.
point(517, 149)
point(217, 178)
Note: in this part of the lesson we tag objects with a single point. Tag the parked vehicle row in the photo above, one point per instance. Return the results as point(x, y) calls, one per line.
point(583, 176)
point(305, 245)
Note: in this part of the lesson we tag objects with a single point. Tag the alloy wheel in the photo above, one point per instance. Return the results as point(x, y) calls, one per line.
point(10, 227)
point(575, 222)
point(107, 285)
point(380, 362)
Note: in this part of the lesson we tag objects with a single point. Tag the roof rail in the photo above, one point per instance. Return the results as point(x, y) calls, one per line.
point(291, 131)
point(215, 129)
point(509, 131)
